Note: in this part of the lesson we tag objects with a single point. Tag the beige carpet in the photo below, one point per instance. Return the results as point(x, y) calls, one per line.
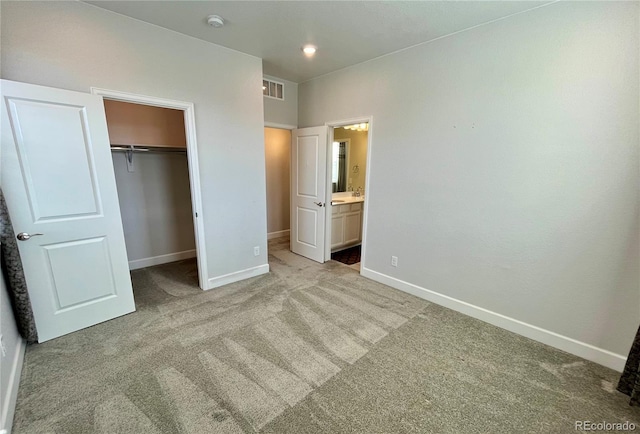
point(308, 348)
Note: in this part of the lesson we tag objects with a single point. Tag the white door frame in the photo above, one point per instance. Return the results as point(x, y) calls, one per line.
point(192, 159)
point(280, 126)
point(367, 177)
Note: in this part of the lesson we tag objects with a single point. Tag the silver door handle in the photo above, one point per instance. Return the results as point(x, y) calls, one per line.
point(320, 204)
point(23, 236)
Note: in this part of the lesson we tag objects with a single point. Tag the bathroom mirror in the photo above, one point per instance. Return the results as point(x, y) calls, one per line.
point(339, 165)
point(349, 158)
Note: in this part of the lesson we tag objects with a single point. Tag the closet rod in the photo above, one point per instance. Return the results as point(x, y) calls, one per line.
point(138, 148)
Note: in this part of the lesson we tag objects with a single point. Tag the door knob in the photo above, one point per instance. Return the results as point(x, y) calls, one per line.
point(23, 236)
point(320, 204)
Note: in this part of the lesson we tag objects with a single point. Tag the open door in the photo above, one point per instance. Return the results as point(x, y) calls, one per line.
point(58, 181)
point(308, 191)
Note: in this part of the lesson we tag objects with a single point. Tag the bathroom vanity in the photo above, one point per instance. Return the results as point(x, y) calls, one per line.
point(346, 221)
point(348, 167)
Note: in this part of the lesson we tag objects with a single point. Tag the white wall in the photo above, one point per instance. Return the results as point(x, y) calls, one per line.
point(72, 45)
point(11, 362)
point(282, 113)
point(504, 171)
point(155, 204)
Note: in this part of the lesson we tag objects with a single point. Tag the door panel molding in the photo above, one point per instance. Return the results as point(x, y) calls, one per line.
point(309, 234)
point(37, 172)
point(102, 282)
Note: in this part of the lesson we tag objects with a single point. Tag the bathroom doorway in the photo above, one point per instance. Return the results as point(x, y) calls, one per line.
point(349, 145)
point(329, 211)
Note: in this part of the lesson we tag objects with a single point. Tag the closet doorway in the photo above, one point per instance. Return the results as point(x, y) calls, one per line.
point(277, 151)
point(156, 169)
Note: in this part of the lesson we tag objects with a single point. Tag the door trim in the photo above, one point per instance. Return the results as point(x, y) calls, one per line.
point(367, 178)
point(280, 126)
point(192, 159)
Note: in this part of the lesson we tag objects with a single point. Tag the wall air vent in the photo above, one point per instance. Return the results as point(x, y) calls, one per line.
point(272, 89)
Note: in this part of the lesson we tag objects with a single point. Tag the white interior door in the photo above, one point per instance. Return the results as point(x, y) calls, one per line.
point(308, 191)
point(58, 181)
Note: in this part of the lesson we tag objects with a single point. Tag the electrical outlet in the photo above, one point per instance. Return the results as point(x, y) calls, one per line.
point(256, 251)
point(2, 348)
point(394, 261)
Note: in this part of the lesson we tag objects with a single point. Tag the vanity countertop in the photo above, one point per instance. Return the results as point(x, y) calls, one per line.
point(347, 199)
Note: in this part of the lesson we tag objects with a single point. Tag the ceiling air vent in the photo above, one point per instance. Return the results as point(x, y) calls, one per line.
point(272, 89)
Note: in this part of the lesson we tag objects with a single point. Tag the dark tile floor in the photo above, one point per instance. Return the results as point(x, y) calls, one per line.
point(348, 256)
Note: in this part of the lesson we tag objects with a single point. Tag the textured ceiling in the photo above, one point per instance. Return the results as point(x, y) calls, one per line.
point(345, 32)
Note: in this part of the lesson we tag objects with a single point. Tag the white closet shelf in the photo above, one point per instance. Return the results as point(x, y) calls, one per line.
point(146, 148)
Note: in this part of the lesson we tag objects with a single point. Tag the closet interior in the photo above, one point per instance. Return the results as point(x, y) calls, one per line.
point(150, 162)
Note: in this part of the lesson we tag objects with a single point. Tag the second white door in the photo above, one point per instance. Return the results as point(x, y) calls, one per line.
point(308, 191)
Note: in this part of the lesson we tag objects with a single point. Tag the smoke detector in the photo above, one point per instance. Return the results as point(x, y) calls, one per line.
point(215, 21)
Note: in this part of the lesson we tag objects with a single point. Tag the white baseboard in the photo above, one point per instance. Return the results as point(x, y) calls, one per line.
point(11, 396)
point(278, 234)
point(564, 343)
point(225, 279)
point(162, 259)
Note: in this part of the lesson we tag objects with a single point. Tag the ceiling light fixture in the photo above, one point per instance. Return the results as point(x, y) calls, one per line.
point(309, 50)
point(357, 127)
point(215, 21)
